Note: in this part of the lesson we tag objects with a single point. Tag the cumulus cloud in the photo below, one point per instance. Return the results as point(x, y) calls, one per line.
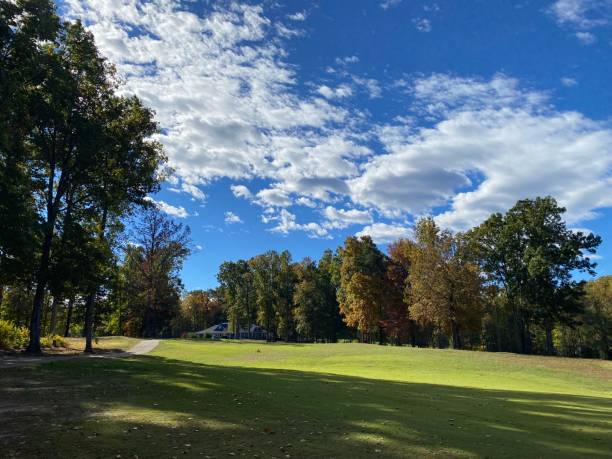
point(231, 218)
point(386, 4)
point(384, 233)
point(298, 16)
point(568, 82)
point(241, 191)
point(192, 190)
point(483, 155)
point(341, 218)
point(179, 212)
point(339, 92)
point(583, 14)
point(230, 106)
point(286, 222)
point(346, 60)
point(586, 38)
point(422, 24)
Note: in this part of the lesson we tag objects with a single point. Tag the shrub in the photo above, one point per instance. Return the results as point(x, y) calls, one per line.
point(53, 341)
point(12, 336)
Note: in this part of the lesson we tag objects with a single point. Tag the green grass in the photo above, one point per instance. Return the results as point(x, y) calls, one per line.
point(195, 399)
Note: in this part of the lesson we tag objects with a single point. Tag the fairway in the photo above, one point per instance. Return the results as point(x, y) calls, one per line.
point(223, 399)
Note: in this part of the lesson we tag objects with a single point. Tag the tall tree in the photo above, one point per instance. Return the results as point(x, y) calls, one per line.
point(236, 283)
point(25, 25)
point(152, 266)
point(597, 316)
point(445, 289)
point(265, 269)
point(283, 296)
point(308, 297)
point(362, 292)
point(532, 255)
point(130, 165)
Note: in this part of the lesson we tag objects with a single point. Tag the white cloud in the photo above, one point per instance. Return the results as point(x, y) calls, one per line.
point(422, 24)
point(241, 191)
point(582, 14)
point(230, 105)
point(193, 190)
point(341, 218)
point(384, 233)
point(482, 156)
point(586, 38)
point(568, 82)
point(371, 86)
point(307, 202)
point(339, 92)
point(217, 81)
point(274, 197)
point(231, 218)
point(346, 60)
point(179, 212)
point(286, 223)
point(299, 16)
point(386, 4)
point(441, 94)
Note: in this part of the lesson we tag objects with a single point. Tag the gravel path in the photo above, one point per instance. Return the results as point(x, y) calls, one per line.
point(143, 347)
point(140, 348)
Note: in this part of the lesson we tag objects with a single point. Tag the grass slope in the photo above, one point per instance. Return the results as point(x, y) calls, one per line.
point(195, 399)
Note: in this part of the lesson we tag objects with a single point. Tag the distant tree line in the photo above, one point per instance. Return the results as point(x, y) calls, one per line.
point(508, 284)
point(76, 160)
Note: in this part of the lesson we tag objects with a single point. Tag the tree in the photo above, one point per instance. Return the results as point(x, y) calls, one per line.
point(445, 289)
point(362, 288)
point(309, 301)
point(284, 281)
point(129, 172)
point(199, 310)
point(532, 256)
point(597, 317)
point(328, 269)
point(398, 323)
point(152, 265)
point(236, 284)
point(265, 268)
point(24, 27)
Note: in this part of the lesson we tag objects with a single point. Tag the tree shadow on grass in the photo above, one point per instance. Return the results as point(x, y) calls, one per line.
point(152, 406)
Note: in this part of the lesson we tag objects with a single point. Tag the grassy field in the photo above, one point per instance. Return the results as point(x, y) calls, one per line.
point(196, 399)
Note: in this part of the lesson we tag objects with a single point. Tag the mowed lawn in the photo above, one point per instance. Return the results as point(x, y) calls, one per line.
point(206, 399)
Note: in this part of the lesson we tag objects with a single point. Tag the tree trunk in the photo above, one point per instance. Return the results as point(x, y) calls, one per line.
point(550, 347)
point(91, 298)
point(89, 315)
point(456, 335)
point(39, 296)
point(69, 317)
point(53, 316)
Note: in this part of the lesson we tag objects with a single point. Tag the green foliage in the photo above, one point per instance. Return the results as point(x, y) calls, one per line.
point(12, 336)
point(56, 341)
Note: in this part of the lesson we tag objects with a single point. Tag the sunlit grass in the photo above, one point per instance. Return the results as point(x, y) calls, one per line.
point(199, 399)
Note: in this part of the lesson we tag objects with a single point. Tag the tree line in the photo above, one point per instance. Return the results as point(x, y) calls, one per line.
point(76, 159)
point(508, 284)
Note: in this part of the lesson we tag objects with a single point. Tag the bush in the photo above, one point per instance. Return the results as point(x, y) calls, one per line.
point(53, 341)
point(12, 336)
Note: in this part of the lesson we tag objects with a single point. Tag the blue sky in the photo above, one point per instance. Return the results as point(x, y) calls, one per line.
point(291, 125)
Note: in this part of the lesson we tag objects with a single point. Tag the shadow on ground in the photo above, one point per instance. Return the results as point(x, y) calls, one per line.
point(150, 406)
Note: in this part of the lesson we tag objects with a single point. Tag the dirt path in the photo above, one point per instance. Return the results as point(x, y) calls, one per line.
point(140, 348)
